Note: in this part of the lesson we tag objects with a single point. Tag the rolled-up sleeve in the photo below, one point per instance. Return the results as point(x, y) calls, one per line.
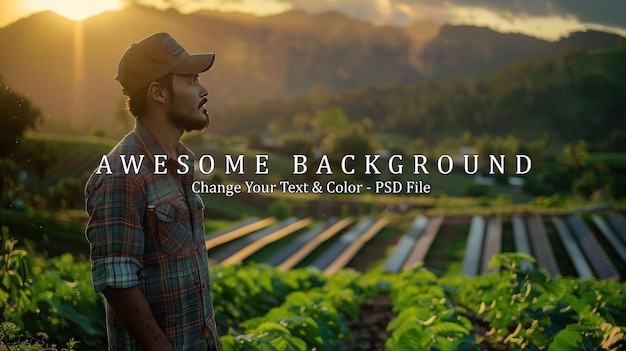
point(115, 272)
point(115, 233)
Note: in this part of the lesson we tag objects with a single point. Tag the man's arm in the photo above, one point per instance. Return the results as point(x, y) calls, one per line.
point(132, 309)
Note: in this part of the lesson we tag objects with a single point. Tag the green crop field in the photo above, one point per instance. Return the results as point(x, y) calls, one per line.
point(260, 307)
point(76, 155)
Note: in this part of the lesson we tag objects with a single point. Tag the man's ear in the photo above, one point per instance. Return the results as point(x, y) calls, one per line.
point(157, 92)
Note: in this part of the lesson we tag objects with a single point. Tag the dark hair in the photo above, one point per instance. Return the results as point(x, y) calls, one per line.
point(136, 103)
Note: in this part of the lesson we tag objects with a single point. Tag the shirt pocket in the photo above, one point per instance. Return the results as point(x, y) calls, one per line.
point(200, 212)
point(173, 226)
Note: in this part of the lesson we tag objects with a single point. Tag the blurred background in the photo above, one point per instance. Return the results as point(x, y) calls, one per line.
point(544, 79)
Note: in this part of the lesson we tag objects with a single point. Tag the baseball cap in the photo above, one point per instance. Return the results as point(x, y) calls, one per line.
point(155, 56)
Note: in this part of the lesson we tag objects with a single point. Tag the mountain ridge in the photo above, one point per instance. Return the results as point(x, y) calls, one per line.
point(67, 67)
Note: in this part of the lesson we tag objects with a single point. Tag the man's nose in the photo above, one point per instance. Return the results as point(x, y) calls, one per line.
point(203, 91)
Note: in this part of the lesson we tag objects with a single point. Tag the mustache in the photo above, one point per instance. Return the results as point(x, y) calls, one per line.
point(204, 101)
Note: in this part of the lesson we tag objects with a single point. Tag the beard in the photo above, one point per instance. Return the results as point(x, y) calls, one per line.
point(186, 122)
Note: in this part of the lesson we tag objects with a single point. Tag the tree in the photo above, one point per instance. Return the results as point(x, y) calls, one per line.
point(66, 193)
point(300, 121)
point(16, 115)
point(8, 176)
point(576, 154)
point(586, 184)
point(354, 142)
point(41, 156)
point(332, 120)
point(296, 144)
point(255, 140)
point(280, 209)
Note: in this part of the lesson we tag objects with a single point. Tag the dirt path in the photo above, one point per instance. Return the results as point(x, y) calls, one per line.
point(369, 330)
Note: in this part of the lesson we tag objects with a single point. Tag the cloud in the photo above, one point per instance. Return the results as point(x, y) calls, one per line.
point(544, 18)
point(547, 18)
point(257, 7)
point(609, 12)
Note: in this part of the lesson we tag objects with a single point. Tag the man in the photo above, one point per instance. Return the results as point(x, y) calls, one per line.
point(146, 226)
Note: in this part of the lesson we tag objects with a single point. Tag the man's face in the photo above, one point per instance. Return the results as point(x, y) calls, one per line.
point(186, 108)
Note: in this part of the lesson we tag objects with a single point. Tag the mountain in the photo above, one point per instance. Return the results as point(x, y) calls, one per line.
point(67, 68)
point(479, 51)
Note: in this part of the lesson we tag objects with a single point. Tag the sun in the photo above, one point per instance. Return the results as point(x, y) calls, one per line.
point(76, 10)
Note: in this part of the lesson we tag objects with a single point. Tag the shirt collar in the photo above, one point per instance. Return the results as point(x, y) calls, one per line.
point(152, 144)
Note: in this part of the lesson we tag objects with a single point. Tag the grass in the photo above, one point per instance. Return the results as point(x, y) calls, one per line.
point(231, 209)
point(214, 225)
point(47, 232)
point(77, 155)
point(607, 158)
point(446, 252)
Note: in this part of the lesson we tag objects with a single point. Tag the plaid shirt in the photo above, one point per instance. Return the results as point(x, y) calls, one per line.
point(147, 230)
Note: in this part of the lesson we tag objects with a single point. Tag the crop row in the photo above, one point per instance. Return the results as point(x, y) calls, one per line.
point(262, 308)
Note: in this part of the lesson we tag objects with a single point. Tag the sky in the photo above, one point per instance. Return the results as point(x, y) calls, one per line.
point(546, 19)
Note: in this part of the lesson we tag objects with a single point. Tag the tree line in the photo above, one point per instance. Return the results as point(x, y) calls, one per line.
point(577, 95)
point(574, 104)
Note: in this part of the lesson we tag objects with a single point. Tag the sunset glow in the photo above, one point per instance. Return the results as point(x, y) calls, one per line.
point(255, 7)
point(547, 27)
point(550, 23)
point(76, 10)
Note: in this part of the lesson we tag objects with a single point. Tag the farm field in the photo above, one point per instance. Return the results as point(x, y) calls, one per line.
point(448, 252)
point(354, 256)
point(57, 233)
point(484, 259)
point(258, 306)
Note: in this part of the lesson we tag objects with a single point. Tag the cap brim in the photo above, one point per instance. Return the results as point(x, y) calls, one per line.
point(194, 64)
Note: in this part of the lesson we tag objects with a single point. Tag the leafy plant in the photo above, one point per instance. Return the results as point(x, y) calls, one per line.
point(15, 272)
point(308, 319)
point(258, 307)
point(11, 340)
point(528, 310)
point(51, 299)
point(64, 304)
point(426, 319)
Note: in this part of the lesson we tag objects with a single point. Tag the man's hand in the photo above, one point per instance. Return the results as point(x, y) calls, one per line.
point(132, 309)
